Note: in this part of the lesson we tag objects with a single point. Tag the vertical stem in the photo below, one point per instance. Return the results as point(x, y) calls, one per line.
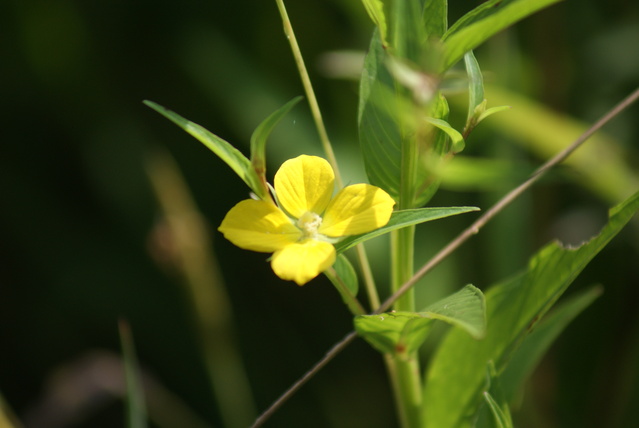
point(308, 88)
point(326, 143)
point(405, 367)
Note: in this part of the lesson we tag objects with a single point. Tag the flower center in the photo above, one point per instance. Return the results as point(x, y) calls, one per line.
point(309, 222)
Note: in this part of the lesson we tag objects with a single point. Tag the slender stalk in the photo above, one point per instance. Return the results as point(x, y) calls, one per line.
point(326, 143)
point(367, 273)
point(308, 88)
point(446, 251)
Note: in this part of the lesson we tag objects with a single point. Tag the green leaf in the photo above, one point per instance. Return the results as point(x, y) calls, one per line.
point(404, 332)
point(491, 111)
point(224, 150)
point(502, 419)
point(136, 410)
point(379, 131)
point(401, 219)
point(456, 375)
point(496, 401)
point(259, 137)
point(601, 165)
point(456, 137)
point(475, 85)
point(344, 278)
point(526, 358)
point(483, 22)
point(435, 17)
point(465, 309)
point(375, 9)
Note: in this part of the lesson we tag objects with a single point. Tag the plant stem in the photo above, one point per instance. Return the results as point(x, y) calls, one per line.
point(308, 88)
point(326, 143)
point(447, 250)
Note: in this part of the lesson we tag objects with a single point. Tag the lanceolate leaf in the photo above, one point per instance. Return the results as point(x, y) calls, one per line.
point(379, 130)
point(455, 136)
point(483, 22)
point(435, 18)
point(454, 380)
point(404, 332)
point(224, 150)
point(136, 409)
point(260, 135)
point(375, 9)
point(401, 219)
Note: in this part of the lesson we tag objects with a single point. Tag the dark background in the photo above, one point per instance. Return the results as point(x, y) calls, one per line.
point(79, 220)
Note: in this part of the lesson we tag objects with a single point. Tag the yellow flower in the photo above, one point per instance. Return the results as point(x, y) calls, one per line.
point(302, 229)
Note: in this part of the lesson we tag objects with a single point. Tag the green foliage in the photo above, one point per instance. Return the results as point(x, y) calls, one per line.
point(259, 137)
point(482, 23)
point(452, 392)
point(401, 219)
point(398, 333)
point(344, 278)
point(136, 409)
point(252, 171)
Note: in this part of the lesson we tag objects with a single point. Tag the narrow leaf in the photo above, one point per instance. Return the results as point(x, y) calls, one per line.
point(456, 137)
point(501, 420)
point(404, 332)
point(457, 372)
point(224, 150)
point(483, 22)
point(375, 9)
point(260, 135)
point(435, 17)
point(401, 219)
point(136, 410)
point(526, 358)
point(475, 85)
point(491, 111)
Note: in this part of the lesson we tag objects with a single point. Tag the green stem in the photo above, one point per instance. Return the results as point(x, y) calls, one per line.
point(408, 392)
point(326, 143)
point(351, 301)
point(310, 94)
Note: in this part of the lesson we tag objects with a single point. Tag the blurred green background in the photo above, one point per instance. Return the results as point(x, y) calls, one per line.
point(84, 242)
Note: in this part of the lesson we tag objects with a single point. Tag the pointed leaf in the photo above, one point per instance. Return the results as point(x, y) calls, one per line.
point(457, 372)
point(435, 17)
point(475, 85)
point(483, 22)
point(404, 332)
point(224, 150)
point(136, 409)
point(260, 135)
point(501, 418)
point(456, 137)
point(403, 218)
point(491, 111)
point(526, 358)
point(375, 9)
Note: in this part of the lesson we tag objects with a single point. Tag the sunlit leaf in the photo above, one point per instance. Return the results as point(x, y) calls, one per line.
point(483, 22)
point(435, 17)
point(404, 332)
point(400, 219)
point(457, 372)
point(223, 149)
point(260, 135)
point(456, 137)
point(375, 9)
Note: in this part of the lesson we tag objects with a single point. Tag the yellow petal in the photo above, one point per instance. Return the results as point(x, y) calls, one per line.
point(356, 209)
point(259, 226)
point(301, 262)
point(303, 184)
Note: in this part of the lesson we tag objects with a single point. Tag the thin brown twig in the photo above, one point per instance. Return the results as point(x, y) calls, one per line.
point(473, 229)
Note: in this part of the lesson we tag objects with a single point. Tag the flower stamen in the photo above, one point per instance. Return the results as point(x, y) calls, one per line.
point(309, 223)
